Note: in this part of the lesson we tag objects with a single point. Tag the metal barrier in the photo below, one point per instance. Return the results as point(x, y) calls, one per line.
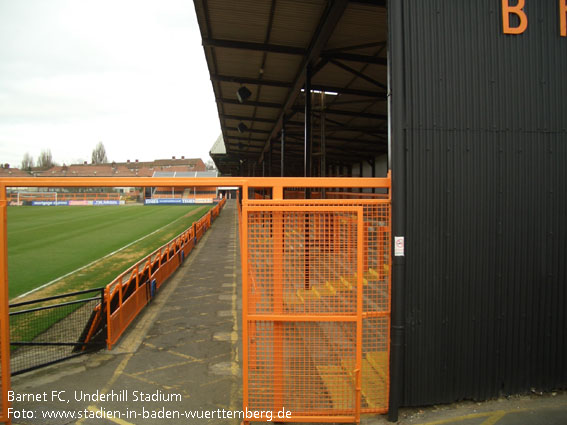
point(316, 302)
point(130, 292)
point(316, 290)
point(48, 330)
point(131, 286)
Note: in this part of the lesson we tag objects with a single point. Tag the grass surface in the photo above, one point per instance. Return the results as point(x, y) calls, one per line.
point(45, 243)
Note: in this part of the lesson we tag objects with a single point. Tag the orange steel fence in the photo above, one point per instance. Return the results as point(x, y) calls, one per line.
point(131, 291)
point(316, 290)
point(316, 302)
point(127, 294)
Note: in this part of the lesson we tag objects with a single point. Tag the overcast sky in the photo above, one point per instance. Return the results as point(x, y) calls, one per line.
point(129, 73)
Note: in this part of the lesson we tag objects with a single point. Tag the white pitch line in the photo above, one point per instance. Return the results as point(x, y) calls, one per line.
point(93, 262)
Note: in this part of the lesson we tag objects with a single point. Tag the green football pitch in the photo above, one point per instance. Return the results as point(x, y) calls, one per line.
point(45, 243)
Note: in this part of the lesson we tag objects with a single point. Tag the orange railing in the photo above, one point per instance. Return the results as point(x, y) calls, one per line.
point(316, 271)
point(131, 291)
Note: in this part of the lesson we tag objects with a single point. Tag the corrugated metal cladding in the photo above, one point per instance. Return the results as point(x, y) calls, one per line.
point(486, 242)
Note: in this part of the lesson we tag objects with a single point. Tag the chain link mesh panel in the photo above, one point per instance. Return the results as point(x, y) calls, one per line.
point(302, 309)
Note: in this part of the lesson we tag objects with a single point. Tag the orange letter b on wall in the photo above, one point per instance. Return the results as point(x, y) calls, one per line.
point(517, 10)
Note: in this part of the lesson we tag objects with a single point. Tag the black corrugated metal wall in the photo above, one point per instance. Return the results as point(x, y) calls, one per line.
point(486, 243)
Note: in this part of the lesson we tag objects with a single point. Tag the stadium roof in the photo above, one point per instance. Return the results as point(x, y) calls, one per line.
point(269, 47)
point(218, 148)
point(201, 174)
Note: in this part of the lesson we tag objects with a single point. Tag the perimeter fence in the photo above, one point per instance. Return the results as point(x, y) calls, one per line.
point(316, 267)
point(48, 330)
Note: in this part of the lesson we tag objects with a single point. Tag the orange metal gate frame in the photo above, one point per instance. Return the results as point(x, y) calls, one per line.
point(279, 342)
point(325, 213)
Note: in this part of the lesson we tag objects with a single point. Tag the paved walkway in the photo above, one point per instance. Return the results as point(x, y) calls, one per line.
point(181, 355)
point(181, 358)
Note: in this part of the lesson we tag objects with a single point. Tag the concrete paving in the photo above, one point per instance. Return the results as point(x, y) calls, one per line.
point(180, 362)
point(180, 358)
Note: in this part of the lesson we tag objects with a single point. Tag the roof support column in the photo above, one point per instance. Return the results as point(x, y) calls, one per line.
point(323, 142)
point(397, 147)
point(307, 141)
point(361, 172)
point(372, 163)
point(282, 154)
point(270, 158)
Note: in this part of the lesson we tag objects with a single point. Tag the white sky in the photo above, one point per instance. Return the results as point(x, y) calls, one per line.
point(129, 73)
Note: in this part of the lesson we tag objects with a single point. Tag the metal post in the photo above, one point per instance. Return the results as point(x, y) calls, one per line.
point(270, 159)
point(397, 143)
point(307, 172)
point(282, 158)
point(323, 142)
point(4, 308)
point(361, 172)
point(307, 141)
point(373, 165)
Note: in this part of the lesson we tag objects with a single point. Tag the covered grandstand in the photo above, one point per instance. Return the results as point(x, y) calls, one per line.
point(197, 194)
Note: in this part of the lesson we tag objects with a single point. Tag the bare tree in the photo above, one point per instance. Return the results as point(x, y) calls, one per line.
point(27, 162)
point(45, 160)
point(99, 154)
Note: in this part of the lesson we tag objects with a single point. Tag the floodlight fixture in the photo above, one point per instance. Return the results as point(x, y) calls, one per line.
point(242, 128)
point(242, 94)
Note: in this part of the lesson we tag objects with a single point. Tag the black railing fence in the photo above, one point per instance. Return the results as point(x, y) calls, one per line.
point(48, 330)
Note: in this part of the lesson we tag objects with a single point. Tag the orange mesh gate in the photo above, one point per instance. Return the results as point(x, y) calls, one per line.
point(316, 307)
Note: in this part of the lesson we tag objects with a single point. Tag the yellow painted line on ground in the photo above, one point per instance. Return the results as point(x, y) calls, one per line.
point(115, 375)
point(169, 366)
point(185, 356)
point(217, 356)
point(215, 381)
point(492, 417)
point(458, 418)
